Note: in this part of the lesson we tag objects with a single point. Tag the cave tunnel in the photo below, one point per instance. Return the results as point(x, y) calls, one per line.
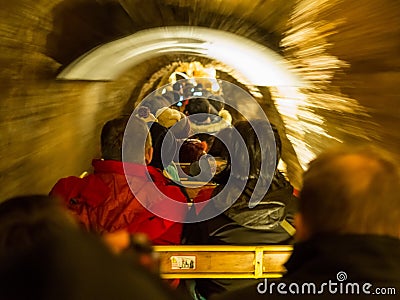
point(344, 54)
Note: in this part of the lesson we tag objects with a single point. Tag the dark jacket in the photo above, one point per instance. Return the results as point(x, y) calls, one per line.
point(240, 225)
point(346, 259)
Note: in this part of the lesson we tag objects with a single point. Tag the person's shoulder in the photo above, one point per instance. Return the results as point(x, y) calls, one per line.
point(163, 186)
point(157, 175)
point(64, 186)
point(90, 189)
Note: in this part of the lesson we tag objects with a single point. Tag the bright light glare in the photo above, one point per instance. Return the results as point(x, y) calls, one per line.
point(257, 64)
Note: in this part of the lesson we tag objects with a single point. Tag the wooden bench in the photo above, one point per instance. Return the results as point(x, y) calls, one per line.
point(184, 261)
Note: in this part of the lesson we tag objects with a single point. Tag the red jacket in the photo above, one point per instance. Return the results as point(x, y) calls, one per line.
point(104, 202)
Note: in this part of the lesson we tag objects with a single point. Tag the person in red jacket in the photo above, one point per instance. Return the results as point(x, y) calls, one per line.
point(117, 196)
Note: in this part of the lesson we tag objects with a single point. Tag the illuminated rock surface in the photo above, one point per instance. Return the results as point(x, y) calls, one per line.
point(348, 51)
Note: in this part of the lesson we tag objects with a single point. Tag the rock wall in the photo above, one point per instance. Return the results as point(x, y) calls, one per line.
point(50, 129)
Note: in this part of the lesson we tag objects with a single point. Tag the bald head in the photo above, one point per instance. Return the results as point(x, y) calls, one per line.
point(352, 190)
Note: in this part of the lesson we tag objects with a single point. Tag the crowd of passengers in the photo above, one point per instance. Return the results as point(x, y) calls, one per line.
point(92, 237)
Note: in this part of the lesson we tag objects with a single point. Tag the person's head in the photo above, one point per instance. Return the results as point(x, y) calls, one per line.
point(155, 102)
point(249, 143)
point(198, 106)
point(171, 96)
point(188, 91)
point(69, 265)
point(177, 86)
point(162, 139)
point(350, 190)
point(207, 138)
point(168, 117)
point(218, 147)
point(217, 102)
point(28, 220)
point(112, 137)
point(191, 151)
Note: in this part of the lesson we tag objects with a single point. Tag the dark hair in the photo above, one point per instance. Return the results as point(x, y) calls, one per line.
point(207, 138)
point(177, 86)
point(112, 136)
point(161, 137)
point(252, 148)
point(191, 151)
point(171, 96)
point(352, 190)
point(219, 149)
point(198, 106)
point(27, 220)
point(188, 90)
point(155, 102)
